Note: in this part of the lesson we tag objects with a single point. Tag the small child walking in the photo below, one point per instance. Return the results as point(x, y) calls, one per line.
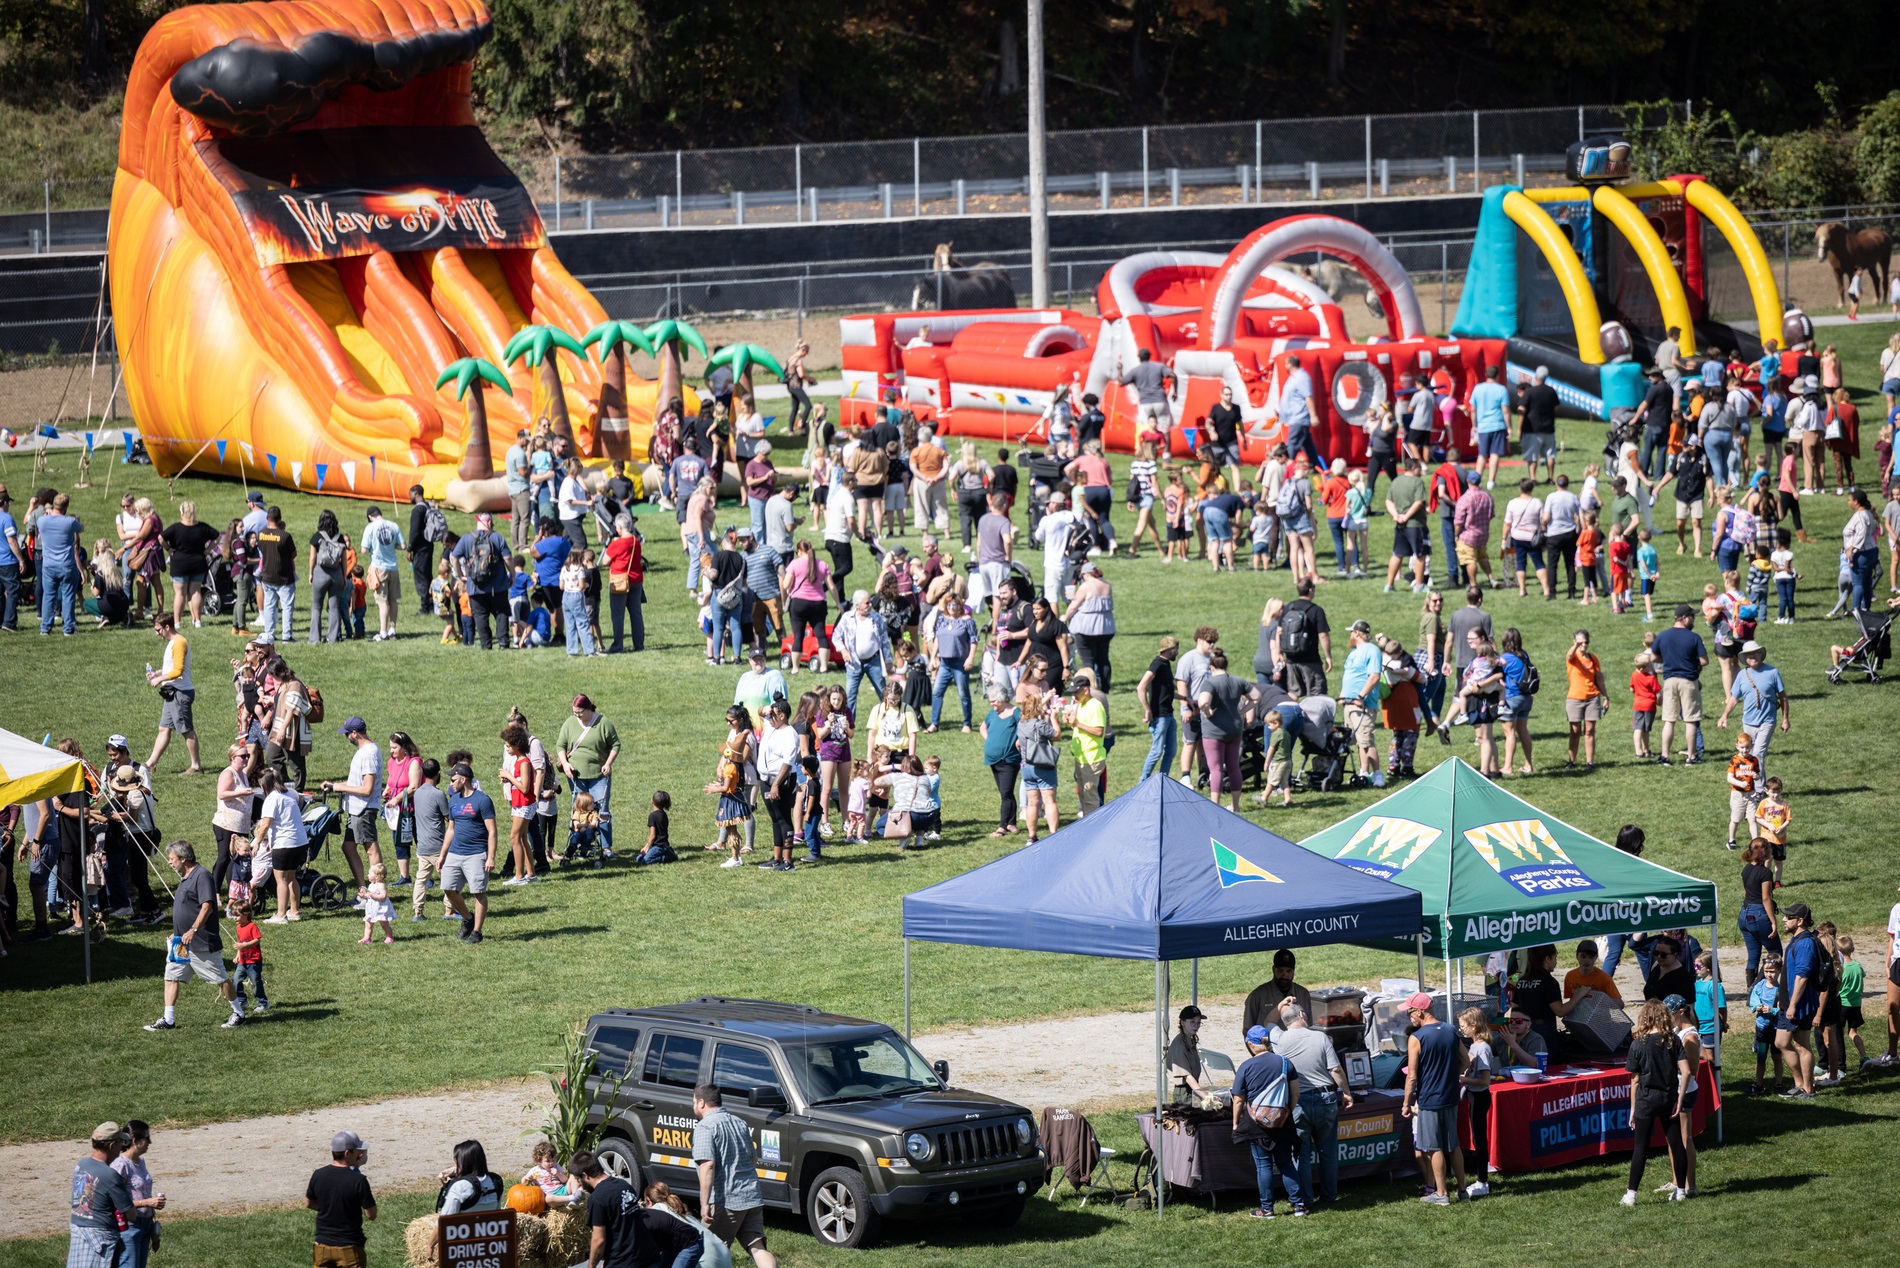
point(1645, 690)
point(1744, 773)
point(1649, 565)
point(1622, 564)
point(377, 909)
point(856, 799)
point(1853, 986)
point(1772, 817)
point(250, 958)
point(1589, 543)
point(1764, 1001)
point(1785, 576)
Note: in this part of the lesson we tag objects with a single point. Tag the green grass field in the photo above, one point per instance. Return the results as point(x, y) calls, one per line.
point(355, 1023)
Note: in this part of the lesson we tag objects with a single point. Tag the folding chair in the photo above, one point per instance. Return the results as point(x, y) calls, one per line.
point(1074, 1151)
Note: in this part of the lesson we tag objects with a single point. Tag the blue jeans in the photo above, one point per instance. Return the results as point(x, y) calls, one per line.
point(1758, 935)
point(1432, 697)
point(278, 603)
point(724, 620)
point(1448, 535)
point(137, 1241)
point(1863, 564)
point(1275, 1153)
point(254, 975)
point(580, 635)
point(601, 789)
point(59, 596)
point(856, 672)
point(1165, 732)
point(1338, 526)
point(689, 1258)
point(1613, 945)
point(757, 507)
point(1720, 447)
point(1321, 1138)
point(9, 596)
point(693, 546)
point(948, 673)
point(1655, 452)
point(1784, 596)
point(1300, 440)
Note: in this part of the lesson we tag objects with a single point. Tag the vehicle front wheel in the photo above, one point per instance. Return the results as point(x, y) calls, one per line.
point(620, 1160)
point(838, 1208)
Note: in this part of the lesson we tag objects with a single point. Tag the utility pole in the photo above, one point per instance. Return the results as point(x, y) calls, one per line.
point(1038, 170)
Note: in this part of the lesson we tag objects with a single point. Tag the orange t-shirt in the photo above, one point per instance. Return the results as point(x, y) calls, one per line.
point(1588, 540)
point(1335, 491)
point(1583, 671)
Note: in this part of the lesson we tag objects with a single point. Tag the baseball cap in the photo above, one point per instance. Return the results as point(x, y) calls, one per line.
point(110, 1130)
point(1675, 1003)
point(1800, 911)
point(463, 769)
point(343, 1142)
point(582, 702)
point(1751, 647)
point(1257, 1035)
point(1418, 1002)
point(757, 654)
point(1192, 1011)
point(118, 741)
point(353, 724)
point(744, 530)
point(255, 497)
point(1362, 626)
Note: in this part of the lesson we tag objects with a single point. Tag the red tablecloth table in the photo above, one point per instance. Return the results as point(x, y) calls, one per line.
point(1571, 1117)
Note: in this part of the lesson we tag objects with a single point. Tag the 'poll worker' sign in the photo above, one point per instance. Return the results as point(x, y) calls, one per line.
point(477, 1239)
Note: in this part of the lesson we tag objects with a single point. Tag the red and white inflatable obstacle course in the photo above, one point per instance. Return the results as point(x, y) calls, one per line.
point(1214, 320)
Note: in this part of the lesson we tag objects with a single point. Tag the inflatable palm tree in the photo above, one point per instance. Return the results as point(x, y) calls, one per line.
point(536, 345)
point(478, 460)
point(740, 358)
point(612, 339)
point(668, 337)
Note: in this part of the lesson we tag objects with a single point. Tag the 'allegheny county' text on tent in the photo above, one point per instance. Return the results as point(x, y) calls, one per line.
point(1163, 873)
point(1497, 873)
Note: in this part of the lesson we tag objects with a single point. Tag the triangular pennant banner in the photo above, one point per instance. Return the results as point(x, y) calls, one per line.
point(349, 473)
point(272, 458)
point(49, 431)
point(221, 445)
point(131, 442)
point(372, 466)
point(249, 457)
point(296, 474)
point(89, 439)
point(323, 469)
point(8, 439)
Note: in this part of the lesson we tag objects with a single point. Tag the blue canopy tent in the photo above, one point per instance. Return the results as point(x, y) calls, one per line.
point(1160, 873)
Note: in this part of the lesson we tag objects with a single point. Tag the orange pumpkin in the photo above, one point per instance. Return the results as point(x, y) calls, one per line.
point(528, 1199)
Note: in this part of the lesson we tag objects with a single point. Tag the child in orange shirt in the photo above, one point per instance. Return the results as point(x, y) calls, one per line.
point(1772, 817)
point(1589, 541)
point(359, 590)
point(1645, 689)
point(1622, 557)
point(1744, 773)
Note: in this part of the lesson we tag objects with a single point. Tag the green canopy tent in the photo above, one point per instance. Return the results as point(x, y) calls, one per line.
point(1498, 874)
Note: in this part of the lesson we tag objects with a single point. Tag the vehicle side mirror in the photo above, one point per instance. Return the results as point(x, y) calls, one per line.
point(766, 1098)
point(942, 1070)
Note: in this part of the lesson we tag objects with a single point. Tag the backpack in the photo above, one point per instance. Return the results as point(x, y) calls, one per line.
point(314, 715)
point(1296, 631)
point(485, 566)
point(1289, 501)
point(1530, 680)
point(435, 525)
point(330, 552)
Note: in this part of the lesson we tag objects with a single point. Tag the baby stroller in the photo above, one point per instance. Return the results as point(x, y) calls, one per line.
point(1869, 651)
point(1326, 749)
point(319, 890)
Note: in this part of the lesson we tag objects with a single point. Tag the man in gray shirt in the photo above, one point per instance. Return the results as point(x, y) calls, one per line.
point(729, 1198)
point(1322, 1094)
point(1561, 511)
point(1470, 617)
point(1189, 673)
point(431, 810)
point(1150, 380)
point(781, 517)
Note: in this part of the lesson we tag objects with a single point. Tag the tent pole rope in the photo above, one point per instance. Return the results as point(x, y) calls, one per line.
point(1161, 1075)
point(907, 990)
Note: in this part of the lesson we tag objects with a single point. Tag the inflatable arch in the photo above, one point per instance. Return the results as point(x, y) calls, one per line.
point(1537, 225)
point(1271, 243)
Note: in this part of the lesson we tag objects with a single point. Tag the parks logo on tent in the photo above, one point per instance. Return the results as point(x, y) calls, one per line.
point(1523, 852)
point(1384, 847)
point(1234, 870)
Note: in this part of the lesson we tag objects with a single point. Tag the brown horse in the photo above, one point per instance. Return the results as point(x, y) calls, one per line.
point(1850, 251)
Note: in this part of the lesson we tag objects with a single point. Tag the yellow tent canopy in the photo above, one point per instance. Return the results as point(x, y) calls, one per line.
point(30, 771)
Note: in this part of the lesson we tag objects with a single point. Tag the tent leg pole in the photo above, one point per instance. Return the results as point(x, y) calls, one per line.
point(907, 990)
point(1196, 1000)
point(1420, 941)
point(1161, 1081)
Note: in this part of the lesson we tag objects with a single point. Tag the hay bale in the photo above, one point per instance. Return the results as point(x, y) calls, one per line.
point(419, 1240)
point(567, 1236)
point(543, 1243)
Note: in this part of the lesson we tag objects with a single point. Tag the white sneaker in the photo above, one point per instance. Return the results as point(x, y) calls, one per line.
point(277, 920)
point(1629, 1197)
point(1187, 781)
point(732, 863)
point(1478, 1190)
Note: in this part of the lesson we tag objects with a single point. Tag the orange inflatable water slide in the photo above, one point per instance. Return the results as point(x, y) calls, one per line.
point(308, 230)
